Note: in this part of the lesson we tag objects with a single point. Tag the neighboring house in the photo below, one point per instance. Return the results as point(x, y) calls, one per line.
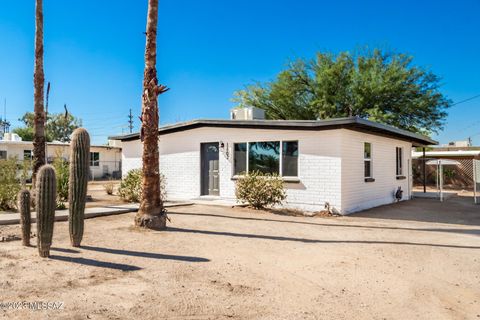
point(456, 176)
point(105, 161)
point(352, 164)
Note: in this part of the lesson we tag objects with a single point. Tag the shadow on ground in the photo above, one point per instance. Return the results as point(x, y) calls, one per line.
point(117, 266)
point(304, 240)
point(305, 221)
point(455, 210)
point(458, 210)
point(150, 255)
point(96, 263)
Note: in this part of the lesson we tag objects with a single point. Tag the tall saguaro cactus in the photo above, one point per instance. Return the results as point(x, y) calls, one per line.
point(45, 206)
point(77, 187)
point(25, 216)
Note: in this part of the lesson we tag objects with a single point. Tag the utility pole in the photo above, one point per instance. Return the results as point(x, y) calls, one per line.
point(130, 121)
point(5, 122)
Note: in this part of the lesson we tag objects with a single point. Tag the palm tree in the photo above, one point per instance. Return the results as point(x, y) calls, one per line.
point(151, 213)
point(38, 82)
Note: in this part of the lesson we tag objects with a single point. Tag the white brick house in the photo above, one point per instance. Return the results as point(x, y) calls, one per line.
point(351, 163)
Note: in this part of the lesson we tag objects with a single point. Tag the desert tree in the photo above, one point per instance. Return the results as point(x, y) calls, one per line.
point(382, 86)
point(151, 213)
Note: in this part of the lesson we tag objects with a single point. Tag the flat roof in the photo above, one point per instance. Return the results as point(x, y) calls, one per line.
point(453, 153)
point(60, 144)
point(352, 123)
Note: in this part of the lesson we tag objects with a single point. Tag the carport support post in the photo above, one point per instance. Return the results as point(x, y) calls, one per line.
point(440, 170)
point(424, 172)
point(475, 181)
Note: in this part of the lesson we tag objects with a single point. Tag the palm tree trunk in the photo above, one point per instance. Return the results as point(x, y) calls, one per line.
point(38, 82)
point(151, 213)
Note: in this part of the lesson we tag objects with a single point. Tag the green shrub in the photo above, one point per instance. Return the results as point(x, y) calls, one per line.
point(131, 186)
point(449, 173)
point(60, 205)
point(9, 184)
point(260, 190)
point(62, 171)
point(109, 187)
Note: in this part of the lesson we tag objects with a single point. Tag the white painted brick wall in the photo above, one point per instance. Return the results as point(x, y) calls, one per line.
point(330, 166)
point(356, 193)
point(131, 155)
point(319, 163)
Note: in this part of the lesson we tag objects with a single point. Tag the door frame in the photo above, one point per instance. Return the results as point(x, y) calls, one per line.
point(202, 166)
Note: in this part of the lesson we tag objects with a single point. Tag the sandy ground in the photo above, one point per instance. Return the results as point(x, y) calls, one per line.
point(459, 191)
point(393, 262)
point(99, 197)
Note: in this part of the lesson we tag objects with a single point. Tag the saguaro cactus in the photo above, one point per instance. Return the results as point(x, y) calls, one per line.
point(77, 188)
point(46, 202)
point(25, 217)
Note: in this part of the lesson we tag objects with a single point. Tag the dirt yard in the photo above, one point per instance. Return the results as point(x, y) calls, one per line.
point(393, 262)
point(98, 197)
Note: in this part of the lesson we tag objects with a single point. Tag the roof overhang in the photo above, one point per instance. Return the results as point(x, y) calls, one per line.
point(352, 123)
point(450, 154)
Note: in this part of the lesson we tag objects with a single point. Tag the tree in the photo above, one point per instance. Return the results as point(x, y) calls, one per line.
point(26, 133)
point(151, 213)
point(38, 82)
point(375, 85)
point(59, 126)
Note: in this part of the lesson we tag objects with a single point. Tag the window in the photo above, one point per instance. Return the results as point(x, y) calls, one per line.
point(264, 156)
point(267, 157)
point(290, 158)
point(3, 155)
point(94, 159)
point(367, 159)
point(399, 161)
point(240, 159)
point(27, 154)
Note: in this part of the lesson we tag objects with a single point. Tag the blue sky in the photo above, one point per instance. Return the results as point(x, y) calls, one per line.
point(209, 49)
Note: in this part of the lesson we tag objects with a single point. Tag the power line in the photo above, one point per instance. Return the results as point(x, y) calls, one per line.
point(472, 124)
point(471, 98)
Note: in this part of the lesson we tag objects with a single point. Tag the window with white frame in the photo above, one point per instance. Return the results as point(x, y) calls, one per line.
point(280, 157)
point(94, 159)
point(399, 161)
point(367, 159)
point(3, 155)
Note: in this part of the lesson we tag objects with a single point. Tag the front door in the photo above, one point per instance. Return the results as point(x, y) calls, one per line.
point(210, 180)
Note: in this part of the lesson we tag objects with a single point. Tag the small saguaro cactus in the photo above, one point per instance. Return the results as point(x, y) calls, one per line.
point(25, 217)
point(77, 188)
point(46, 185)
